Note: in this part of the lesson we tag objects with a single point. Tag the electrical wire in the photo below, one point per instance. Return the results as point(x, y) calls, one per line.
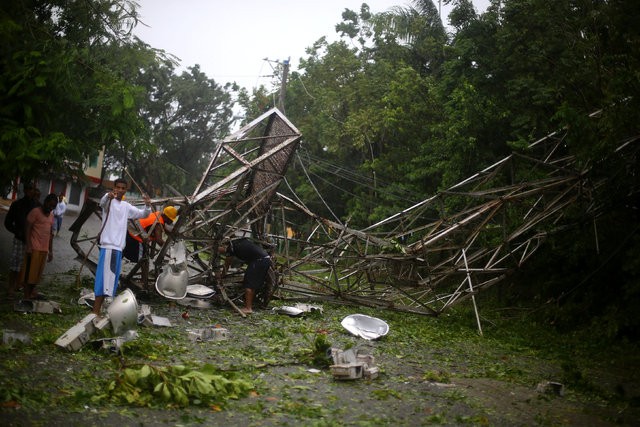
point(304, 169)
point(345, 174)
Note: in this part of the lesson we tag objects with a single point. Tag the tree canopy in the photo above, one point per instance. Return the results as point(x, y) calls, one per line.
point(75, 79)
point(414, 108)
point(65, 91)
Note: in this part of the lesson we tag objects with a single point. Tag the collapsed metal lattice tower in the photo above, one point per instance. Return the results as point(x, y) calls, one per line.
point(447, 256)
point(423, 259)
point(448, 247)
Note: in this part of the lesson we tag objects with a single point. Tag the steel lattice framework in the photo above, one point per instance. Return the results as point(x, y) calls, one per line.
point(423, 259)
point(449, 256)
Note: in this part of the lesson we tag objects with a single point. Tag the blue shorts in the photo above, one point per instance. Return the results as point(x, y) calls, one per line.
point(108, 273)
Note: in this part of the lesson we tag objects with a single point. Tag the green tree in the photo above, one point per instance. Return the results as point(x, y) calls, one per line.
point(420, 29)
point(63, 81)
point(366, 104)
point(395, 107)
point(526, 68)
point(185, 114)
point(253, 105)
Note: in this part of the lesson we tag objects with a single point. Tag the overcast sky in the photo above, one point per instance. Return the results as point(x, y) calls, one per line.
point(230, 39)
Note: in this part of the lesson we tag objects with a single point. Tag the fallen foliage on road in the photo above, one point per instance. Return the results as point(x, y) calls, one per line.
point(273, 369)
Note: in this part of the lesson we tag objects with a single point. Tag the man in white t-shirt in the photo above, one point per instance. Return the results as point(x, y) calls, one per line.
point(115, 215)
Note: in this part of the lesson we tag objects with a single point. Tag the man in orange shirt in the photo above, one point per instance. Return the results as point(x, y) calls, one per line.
point(38, 246)
point(154, 225)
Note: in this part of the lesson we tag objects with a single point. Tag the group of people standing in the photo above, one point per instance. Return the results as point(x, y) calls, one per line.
point(116, 241)
point(33, 225)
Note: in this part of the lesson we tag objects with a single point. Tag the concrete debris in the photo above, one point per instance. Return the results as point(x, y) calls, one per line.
point(297, 310)
point(37, 306)
point(351, 365)
point(87, 297)
point(145, 318)
point(550, 387)
point(213, 333)
point(160, 321)
point(101, 323)
point(114, 345)
point(78, 335)
point(9, 337)
point(124, 308)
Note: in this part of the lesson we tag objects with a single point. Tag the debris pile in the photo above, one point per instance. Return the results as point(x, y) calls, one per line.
point(213, 333)
point(351, 365)
point(9, 337)
point(550, 387)
point(121, 315)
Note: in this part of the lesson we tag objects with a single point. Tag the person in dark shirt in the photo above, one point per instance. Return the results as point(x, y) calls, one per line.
point(36, 197)
point(258, 263)
point(16, 222)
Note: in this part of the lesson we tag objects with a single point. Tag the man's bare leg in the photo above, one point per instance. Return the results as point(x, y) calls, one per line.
point(248, 300)
point(97, 305)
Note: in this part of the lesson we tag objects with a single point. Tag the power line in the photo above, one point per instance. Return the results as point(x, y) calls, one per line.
point(345, 174)
point(364, 181)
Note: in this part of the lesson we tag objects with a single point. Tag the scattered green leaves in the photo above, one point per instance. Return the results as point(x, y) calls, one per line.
point(437, 376)
point(174, 386)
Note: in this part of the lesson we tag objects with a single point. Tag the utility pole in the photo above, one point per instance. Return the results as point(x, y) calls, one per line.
point(283, 84)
